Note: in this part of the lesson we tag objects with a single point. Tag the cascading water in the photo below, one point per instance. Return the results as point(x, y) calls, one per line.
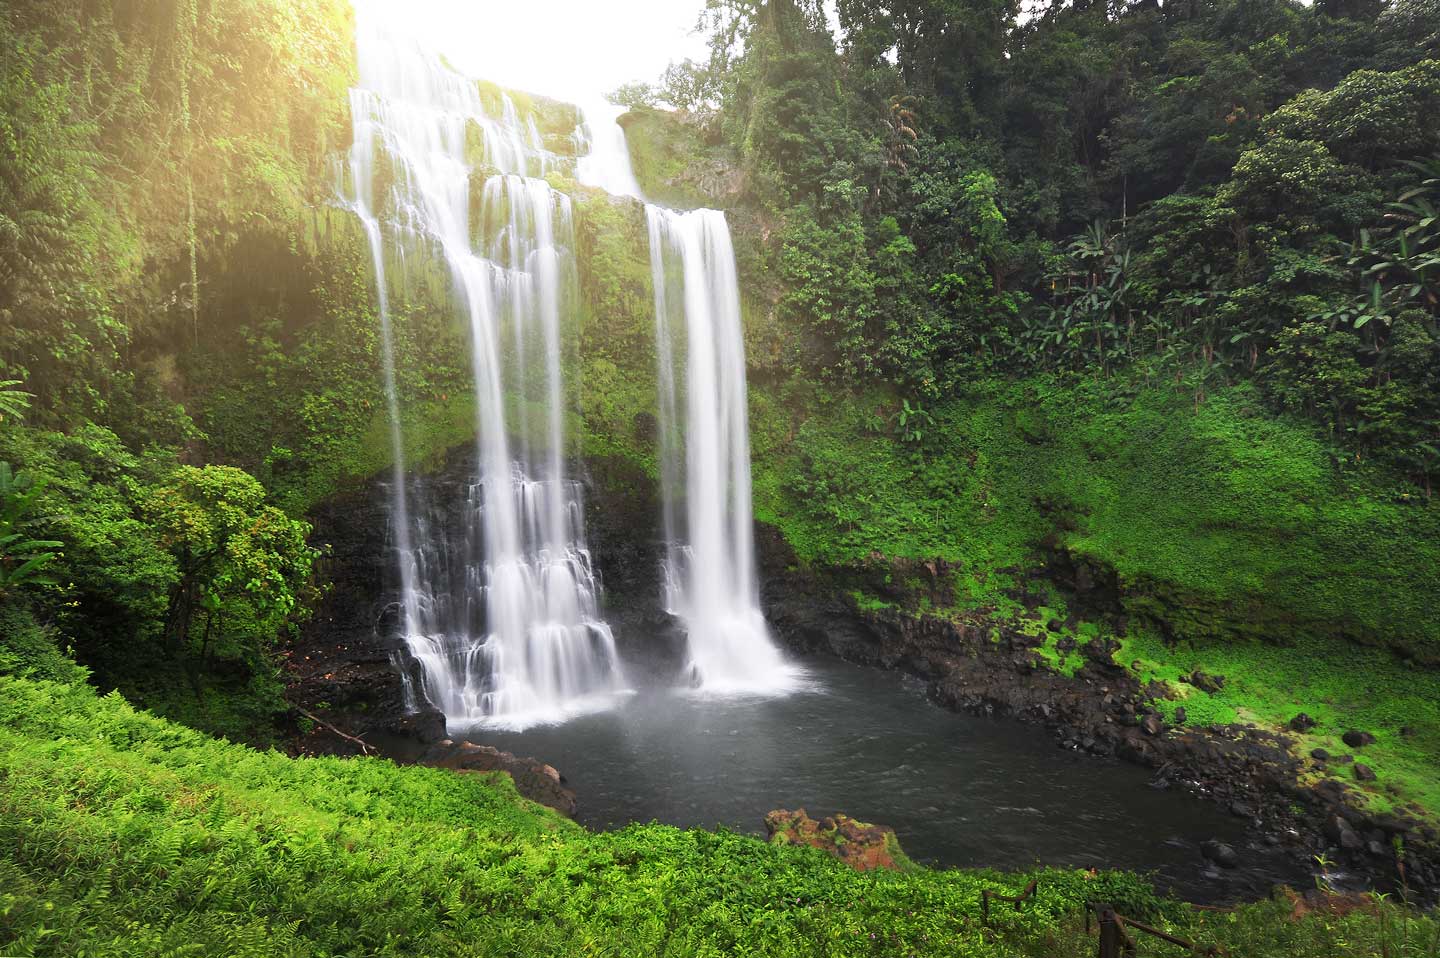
point(604, 154)
point(705, 457)
point(503, 620)
point(710, 581)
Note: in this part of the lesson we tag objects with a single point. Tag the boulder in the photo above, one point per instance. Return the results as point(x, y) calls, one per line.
point(1364, 773)
point(1302, 723)
point(1221, 854)
point(862, 846)
point(1152, 724)
point(533, 779)
point(1339, 832)
point(1358, 739)
point(1204, 681)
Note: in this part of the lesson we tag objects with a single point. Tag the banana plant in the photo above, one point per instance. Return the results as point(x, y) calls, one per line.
point(22, 559)
point(1400, 264)
point(13, 402)
point(913, 420)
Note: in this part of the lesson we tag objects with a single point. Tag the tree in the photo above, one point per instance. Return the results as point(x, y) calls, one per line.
point(243, 566)
point(633, 96)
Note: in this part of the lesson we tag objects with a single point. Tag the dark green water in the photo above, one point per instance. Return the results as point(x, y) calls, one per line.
point(958, 790)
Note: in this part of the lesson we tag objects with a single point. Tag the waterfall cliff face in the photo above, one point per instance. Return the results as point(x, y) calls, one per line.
point(502, 614)
point(499, 600)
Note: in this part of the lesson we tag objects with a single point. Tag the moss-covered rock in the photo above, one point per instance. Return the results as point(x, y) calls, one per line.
point(862, 846)
point(680, 163)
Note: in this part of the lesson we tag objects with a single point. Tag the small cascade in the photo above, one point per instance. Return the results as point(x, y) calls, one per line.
point(502, 614)
point(604, 154)
point(710, 576)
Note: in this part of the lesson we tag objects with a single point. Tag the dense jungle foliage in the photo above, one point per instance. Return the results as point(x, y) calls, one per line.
point(1149, 289)
point(1204, 192)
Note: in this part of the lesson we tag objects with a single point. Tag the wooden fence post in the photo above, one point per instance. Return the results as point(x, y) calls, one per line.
point(1114, 943)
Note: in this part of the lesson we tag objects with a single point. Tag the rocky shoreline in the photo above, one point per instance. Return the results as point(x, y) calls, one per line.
point(984, 668)
point(345, 669)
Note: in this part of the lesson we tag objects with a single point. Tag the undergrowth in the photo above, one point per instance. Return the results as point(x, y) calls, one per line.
point(124, 834)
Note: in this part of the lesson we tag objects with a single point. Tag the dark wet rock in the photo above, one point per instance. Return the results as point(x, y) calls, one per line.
point(645, 427)
point(1152, 725)
point(1221, 854)
point(1358, 739)
point(425, 726)
point(1302, 723)
point(1180, 716)
point(1364, 773)
point(1320, 755)
point(1335, 827)
point(1241, 810)
point(862, 846)
point(346, 664)
point(533, 779)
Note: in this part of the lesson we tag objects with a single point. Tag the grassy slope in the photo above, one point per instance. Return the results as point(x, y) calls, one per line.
point(122, 834)
point(1235, 522)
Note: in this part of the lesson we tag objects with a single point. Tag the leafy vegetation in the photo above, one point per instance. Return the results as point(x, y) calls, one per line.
point(1221, 522)
point(123, 834)
point(22, 559)
point(1220, 192)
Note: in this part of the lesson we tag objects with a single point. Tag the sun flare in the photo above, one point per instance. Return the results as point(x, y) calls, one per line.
point(575, 49)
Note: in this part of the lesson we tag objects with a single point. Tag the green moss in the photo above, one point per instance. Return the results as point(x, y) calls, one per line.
point(1221, 521)
point(676, 164)
point(615, 369)
point(1342, 687)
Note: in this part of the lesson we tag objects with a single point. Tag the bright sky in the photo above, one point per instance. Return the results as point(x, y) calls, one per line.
point(575, 49)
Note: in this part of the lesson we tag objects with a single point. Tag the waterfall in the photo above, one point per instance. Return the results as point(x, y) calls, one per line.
point(709, 573)
point(523, 642)
point(710, 576)
point(604, 154)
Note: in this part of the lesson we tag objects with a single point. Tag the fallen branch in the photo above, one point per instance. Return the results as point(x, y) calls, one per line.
point(365, 747)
